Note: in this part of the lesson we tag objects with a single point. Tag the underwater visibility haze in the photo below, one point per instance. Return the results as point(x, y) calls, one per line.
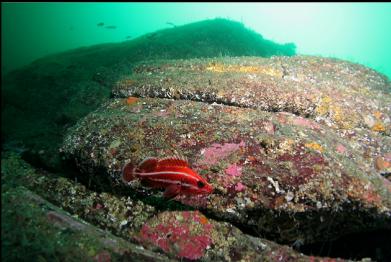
point(196, 131)
point(357, 32)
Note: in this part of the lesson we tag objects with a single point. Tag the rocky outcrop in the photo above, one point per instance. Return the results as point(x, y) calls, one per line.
point(50, 233)
point(296, 148)
point(339, 94)
point(306, 174)
point(124, 229)
point(41, 100)
point(267, 171)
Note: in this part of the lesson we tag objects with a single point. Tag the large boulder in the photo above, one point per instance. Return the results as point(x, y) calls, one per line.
point(121, 229)
point(296, 148)
point(277, 174)
point(336, 93)
point(351, 99)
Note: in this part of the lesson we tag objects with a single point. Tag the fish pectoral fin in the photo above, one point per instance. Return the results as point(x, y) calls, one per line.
point(172, 191)
point(128, 173)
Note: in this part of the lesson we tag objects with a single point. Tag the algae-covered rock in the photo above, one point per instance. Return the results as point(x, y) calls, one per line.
point(190, 235)
point(298, 149)
point(41, 100)
point(339, 94)
point(348, 98)
point(144, 233)
point(120, 215)
point(271, 173)
point(45, 232)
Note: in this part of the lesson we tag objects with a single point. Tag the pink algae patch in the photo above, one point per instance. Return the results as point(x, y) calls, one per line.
point(184, 234)
point(372, 197)
point(341, 149)
point(234, 170)
point(239, 187)
point(300, 121)
point(216, 152)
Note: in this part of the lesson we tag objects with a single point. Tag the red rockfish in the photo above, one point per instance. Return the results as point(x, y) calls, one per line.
point(172, 174)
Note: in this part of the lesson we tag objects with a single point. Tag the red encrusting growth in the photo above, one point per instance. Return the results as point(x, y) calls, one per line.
point(186, 234)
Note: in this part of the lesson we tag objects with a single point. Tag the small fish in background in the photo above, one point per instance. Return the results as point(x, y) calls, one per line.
point(111, 27)
point(151, 35)
point(171, 24)
point(172, 174)
point(128, 37)
point(100, 24)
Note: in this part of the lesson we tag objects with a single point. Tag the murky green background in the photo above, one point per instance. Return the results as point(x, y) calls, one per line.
point(359, 32)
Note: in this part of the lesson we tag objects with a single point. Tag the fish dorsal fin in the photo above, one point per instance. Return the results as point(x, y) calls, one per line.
point(148, 165)
point(174, 162)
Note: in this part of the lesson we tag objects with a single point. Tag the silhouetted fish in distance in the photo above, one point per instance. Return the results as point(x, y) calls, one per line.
point(100, 24)
point(152, 35)
point(111, 27)
point(171, 24)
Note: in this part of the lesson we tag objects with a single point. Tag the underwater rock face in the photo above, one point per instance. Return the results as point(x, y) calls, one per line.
point(59, 86)
point(144, 233)
point(282, 179)
point(349, 98)
point(190, 235)
point(53, 233)
point(336, 93)
point(298, 149)
point(295, 148)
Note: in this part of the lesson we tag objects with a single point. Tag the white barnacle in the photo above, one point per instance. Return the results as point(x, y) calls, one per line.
point(230, 210)
point(289, 196)
point(123, 223)
point(274, 183)
point(318, 204)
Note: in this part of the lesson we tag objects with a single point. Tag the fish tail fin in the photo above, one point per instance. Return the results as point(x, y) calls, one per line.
point(128, 173)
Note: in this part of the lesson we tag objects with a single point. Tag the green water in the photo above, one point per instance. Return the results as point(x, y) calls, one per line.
point(358, 32)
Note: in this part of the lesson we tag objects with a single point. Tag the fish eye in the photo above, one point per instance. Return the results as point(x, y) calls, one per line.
point(200, 184)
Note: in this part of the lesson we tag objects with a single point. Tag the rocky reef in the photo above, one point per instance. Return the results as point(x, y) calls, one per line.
point(41, 100)
point(297, 149)
point(291, 159)
point(117, 228)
